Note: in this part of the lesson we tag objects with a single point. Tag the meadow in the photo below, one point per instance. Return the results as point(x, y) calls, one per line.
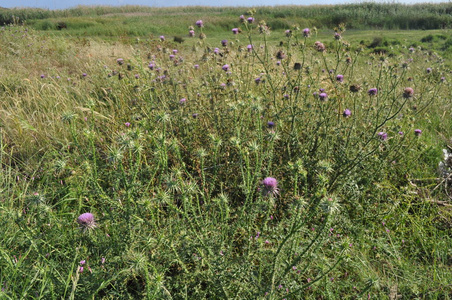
point(223, 156)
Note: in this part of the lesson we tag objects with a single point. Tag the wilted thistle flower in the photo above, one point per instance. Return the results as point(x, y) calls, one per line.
point(202, 36)
point(199, 23)
point(250, 20)
point(263, 28)
point(382, 135)
point(348, 60)
point(306, 32)
point(224, 43)
point(411, 50)
point(340, 78)
point(225, 67)
point(323, 96)
point(191, 33)
point(280, 54)
point(443, 79)
point(408, 92)
point(270, 186)
point(347, 113)
point(337, 36)
point(162, 38)
point(86, 221)
point(417, 132)
point(297, 66)
point(319, 46)
point(372, 92)
point(120, 61)
point(355, 88)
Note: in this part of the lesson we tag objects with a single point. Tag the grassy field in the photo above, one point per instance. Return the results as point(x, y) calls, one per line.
point(276, 163)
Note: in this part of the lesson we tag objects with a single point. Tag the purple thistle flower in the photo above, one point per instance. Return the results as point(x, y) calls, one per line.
point(347, 113)
point(250, 48)
point(225, 67)
point(235, 30)
point(120, 61)
point(199, 23)
point(216, 51)
point(86, 221)
point(171, 57)
point(194, 116)
point(429, 70)
point(372, 92)
point(382, 135)
point(224, 43)
point(340, 78)
point(270, 186)
point(443, 79)
point(306, 32)
point(257, 80)
point(82, 262)
point(408, 92)
point(191, 33)
point(182, 101)
point(151, 66)
point(270, 124)
point(43, 76)
point(250, 20)
point(162, 38)
point(323, 96)
point(127, 124)
point(196, 67)
point(175, 51)
point(417, 132)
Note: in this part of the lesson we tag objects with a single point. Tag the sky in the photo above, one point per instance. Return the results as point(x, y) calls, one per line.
point(63, 4)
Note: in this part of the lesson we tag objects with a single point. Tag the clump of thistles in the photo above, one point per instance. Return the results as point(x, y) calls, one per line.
point(270, 186)
point(86, 221)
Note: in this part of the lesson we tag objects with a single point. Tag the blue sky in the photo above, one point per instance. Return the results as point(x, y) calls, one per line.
point(62, 4)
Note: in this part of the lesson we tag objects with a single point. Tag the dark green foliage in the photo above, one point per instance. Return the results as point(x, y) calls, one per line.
point(362, 15)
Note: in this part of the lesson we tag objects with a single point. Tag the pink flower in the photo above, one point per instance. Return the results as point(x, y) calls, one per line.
point(86, 221)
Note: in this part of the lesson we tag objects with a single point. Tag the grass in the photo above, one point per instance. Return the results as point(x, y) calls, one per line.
point(180, 190)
